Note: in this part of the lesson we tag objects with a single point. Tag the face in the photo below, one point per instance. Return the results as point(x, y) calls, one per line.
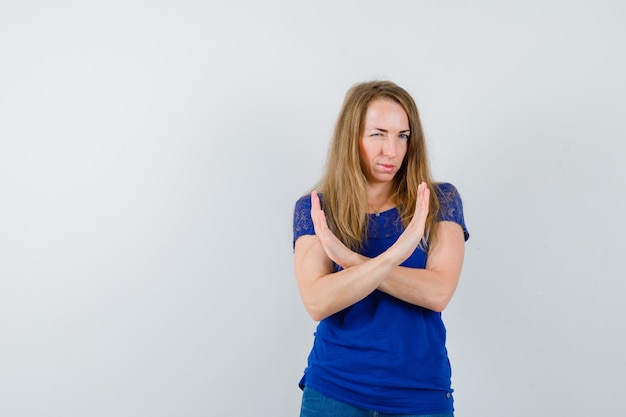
point(385, 140)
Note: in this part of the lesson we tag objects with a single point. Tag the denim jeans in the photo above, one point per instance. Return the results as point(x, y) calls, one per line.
point(316, 404)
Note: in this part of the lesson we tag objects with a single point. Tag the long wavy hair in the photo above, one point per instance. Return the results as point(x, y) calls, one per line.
point(343, 183)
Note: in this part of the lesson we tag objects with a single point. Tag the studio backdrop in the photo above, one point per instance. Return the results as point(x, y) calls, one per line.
point(151, 153)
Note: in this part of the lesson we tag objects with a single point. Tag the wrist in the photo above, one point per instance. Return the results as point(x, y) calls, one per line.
point(352, 259)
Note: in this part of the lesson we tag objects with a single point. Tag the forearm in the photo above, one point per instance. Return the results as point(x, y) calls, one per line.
point(336, 291)
point(422, 287)
point(431, 287)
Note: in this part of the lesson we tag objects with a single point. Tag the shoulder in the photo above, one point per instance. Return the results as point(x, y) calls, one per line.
point(446, 191)
point(302, 222)
point(447, 194)
point(450, 205)
point(304, 202)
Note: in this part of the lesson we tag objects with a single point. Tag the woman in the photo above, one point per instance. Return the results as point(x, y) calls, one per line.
point(378, 255)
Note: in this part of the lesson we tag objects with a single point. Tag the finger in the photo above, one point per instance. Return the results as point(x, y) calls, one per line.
point(315, 201)
point(420, 193)
point(315, 207)
point(425, 198)
point(420, 215)
point(317, 215)
point(422, 209)
point(423, 195)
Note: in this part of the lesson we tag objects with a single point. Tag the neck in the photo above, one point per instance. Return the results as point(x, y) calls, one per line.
point(378, 194)
point(379, 198)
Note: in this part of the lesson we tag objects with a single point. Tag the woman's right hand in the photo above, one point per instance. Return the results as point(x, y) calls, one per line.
point(333, 247)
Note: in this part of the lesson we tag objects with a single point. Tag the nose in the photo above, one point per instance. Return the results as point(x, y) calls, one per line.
point(389, 147)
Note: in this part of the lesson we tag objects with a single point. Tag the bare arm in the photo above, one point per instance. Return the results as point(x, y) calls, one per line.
point(431, 287)
point(434, 286)
point(325, 292)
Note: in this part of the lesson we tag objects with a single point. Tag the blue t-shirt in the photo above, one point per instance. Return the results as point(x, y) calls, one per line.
point(382, 353)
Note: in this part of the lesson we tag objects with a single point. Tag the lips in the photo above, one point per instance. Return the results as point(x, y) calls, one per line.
point(387, 167)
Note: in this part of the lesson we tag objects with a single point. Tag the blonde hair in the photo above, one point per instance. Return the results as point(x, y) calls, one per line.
point(343, 184)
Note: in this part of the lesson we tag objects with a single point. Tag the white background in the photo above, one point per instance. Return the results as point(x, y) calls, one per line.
point(151, 153)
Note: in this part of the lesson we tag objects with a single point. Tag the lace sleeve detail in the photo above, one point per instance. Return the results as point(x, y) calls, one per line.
point(451, 206)
point(302, 222)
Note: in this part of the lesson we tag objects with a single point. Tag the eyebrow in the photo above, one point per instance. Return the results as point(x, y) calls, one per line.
point(386, 131)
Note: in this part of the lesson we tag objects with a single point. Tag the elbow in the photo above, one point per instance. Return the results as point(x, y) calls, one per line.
point(439, 307)
point(316, 305)
point(440, 303)
point(316, 311)
point(440, 298)
point(316, 314)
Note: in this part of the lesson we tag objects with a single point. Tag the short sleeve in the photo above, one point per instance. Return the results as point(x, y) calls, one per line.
point(302, 222)
point(451, 206)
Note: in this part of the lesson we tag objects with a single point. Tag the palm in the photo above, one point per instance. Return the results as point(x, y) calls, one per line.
point(333, 247)
point(414, 232)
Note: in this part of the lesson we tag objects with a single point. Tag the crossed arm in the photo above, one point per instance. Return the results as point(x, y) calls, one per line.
point(325, 292)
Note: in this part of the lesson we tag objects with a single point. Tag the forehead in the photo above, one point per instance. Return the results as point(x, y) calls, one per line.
point(383, 112)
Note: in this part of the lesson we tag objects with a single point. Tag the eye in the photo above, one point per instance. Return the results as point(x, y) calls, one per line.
point(404, 136)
